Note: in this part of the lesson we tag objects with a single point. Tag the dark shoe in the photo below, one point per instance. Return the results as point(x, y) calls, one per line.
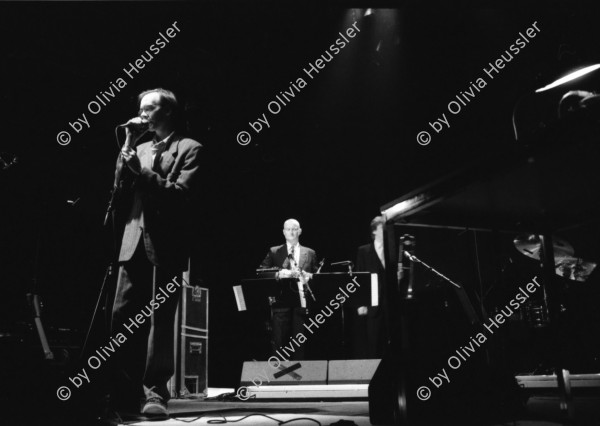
point(155, 406)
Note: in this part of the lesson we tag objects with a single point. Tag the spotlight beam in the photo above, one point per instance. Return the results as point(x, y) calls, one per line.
point(569, 77)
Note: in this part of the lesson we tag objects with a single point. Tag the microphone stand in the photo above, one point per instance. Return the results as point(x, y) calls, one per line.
point(310, 291)
point(110, 269)
point(118, 173)
point(415, 259)
point(113, 194)
point(307, 285)
point(347, 263)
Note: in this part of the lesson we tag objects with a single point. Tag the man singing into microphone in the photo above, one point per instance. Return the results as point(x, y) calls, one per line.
point(159, 180)
point(296, 262)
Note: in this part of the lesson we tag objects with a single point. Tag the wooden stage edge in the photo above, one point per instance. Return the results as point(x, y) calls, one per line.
point(542, 410)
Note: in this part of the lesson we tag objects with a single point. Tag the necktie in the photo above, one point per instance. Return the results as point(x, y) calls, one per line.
point(292, 257)
point(157, 150)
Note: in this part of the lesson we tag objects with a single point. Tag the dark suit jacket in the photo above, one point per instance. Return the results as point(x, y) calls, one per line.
point(277, 256)
point(368, 261)
point(166, 192)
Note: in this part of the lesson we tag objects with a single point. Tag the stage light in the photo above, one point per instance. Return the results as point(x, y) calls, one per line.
point(569, 77)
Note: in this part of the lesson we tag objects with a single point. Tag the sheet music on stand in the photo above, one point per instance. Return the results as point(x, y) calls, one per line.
point(356, 289)
point(257, 294)
point(333, 289)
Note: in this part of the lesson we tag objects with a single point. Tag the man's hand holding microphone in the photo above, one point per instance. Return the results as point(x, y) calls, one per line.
point(134, 130)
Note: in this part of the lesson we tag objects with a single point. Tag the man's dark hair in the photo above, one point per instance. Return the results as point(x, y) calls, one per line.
point(167, 99)
point(377, 220)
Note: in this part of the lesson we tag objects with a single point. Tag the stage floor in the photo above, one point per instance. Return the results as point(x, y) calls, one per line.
point(541, 411)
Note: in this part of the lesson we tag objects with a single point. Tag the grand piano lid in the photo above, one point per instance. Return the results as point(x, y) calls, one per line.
point(556, 187)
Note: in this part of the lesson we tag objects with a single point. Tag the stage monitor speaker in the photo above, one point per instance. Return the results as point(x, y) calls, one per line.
point(351, 371)
point(261, 373)
point(307, 380)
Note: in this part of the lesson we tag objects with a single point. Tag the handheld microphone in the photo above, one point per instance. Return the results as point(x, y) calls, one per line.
point(136, 123)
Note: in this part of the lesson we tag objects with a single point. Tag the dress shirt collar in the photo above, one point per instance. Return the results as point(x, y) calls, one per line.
point(378, 245)
point(162, 143)
point(379, 250)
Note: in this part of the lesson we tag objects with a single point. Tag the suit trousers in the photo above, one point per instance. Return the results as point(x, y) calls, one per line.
point(368, 335)
point(287, 323)
point(145, 362)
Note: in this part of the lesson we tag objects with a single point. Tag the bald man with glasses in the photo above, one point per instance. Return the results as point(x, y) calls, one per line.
point(296, 262)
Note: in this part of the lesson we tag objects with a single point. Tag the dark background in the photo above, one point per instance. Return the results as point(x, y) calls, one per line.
point(344, 146)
